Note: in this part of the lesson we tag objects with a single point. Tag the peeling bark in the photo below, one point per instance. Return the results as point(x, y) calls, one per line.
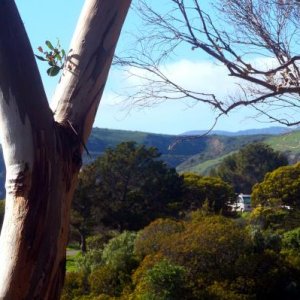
point(80, 89)
point(42, 152)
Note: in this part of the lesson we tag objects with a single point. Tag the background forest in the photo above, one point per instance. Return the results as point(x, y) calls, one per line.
point(141, 230)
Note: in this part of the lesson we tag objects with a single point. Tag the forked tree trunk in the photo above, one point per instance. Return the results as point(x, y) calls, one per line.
point(42, 149)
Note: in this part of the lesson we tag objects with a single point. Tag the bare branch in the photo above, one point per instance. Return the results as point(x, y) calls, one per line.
point(237, 34)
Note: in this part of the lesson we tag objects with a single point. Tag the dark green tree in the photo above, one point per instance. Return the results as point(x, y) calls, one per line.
point(130, 186)
point(249, 166)
point(82, 213)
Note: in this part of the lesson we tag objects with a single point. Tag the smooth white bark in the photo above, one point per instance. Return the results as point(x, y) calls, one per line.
point(17, 144)
point(42, 152)
point(92, 48)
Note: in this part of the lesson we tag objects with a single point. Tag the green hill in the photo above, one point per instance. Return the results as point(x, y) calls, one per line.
point(203, 168)
point(101, 139)
point(288, 143)
point(193, 154)
point(185, 153)
point(217, 148)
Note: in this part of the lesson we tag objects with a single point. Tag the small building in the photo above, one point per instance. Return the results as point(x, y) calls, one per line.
point(243, 203)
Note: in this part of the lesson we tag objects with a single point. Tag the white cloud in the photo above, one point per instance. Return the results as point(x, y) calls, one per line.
point(173, 116)
point(202, 76)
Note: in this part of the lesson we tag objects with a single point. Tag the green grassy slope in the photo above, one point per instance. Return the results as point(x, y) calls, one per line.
point(205, 167)
point(288, 143)
point(218, 147)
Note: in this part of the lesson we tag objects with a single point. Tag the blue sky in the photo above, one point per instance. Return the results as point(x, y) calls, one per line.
point(57, 19)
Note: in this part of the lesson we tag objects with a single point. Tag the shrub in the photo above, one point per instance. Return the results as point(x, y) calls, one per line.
point(269, 217)
point(291, 247)
point(96, 242)
point(104, 280)
point(149, 239)
point(222, 291)
point(118, 260)
point(75, 286)
point(166, 280)
point(208, 248)
point(89, 261)
point(291, 239)
point(264, 239)
point(119, 252)
point(146, 264)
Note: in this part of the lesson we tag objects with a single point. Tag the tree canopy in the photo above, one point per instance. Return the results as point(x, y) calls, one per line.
point(249, 165)
point(219, 259)
point(279, 188)
point(130, 186)
point(83, 204)
point(206, 190)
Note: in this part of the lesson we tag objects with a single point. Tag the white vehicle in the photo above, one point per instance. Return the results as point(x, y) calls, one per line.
point(243, 203)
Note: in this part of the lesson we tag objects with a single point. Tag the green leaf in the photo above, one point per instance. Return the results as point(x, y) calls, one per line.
point(63, 53)
point(53, 71)
point(40, 57)
point(58, 57)
point(49, 45)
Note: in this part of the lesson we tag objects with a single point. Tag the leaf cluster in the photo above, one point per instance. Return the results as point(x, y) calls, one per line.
point(279, 188)
point(55, 56)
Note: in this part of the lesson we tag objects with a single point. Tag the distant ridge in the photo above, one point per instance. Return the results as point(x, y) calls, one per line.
point(274, 130)
point(197, 155)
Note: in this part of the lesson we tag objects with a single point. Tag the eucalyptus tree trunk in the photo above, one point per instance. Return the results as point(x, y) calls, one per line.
point(43, 148)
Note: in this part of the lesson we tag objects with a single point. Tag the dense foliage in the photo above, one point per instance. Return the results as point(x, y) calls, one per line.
point(279, 188)
point(207, 256)
point(83, 218)
point(211, 191)
point(181, 244)
point(126, 188)
point(249, 165)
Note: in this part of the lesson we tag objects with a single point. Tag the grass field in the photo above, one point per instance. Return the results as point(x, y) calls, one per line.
point(205, 167)
point(286, 142)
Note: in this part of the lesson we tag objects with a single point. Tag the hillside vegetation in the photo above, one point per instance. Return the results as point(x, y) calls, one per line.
point(288, 143)
point(186, 152)
point(145, 232)
point(198, 155)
